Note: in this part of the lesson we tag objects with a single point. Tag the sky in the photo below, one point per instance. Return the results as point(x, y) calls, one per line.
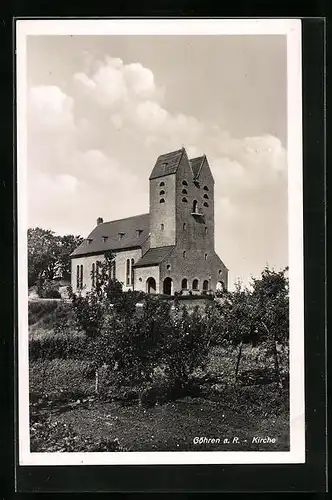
point(101, 109)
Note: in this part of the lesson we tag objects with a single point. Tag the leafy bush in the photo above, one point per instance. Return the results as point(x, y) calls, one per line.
point(47, 435)
point(48, 289)
point(185, 348)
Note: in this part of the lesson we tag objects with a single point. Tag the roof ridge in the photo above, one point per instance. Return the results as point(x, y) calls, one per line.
point(124, 218)
point(171, 152)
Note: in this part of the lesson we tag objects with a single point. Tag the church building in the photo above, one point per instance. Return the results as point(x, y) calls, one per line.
point(171, 248)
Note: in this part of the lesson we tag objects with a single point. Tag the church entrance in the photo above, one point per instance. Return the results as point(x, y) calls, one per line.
point(167, 287)
point(151, 285)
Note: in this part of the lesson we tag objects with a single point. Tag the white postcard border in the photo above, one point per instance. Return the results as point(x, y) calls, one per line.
point(292, 29)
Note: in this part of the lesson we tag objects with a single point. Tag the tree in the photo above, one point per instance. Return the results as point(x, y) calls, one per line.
point(270, 297)
point(258, 314)
point(239, 320)
point(93, 313)
point(185, 347)
point(138, 339)
point(49, 254)
point(43, 255)
point(67, 244)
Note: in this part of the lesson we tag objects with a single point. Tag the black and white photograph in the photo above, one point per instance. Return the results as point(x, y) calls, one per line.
point(159, 177)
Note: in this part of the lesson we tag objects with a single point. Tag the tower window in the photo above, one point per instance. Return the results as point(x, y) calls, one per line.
point(195, 284)
point(184, 254)
point(162, 184)
point(184, 183)
point(162, 200)
point(206, 196)
point(168, 267)
point(184, 200)
point(205, 204)
point(184, 226)
point(184, 284)
point(184, 191)
point(205, 256)
point(162, 192)
point(205, 188)
point(195, 207)
point(162, 227)
point(205, 230)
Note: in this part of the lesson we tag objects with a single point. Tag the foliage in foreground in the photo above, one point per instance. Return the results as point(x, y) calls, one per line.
point(154, 348)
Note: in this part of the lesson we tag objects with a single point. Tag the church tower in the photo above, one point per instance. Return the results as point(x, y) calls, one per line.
point(182, 202)
point(163, 191)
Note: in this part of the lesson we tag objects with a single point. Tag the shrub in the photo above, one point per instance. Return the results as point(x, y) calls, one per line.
point(185, 348)
point(48, 290)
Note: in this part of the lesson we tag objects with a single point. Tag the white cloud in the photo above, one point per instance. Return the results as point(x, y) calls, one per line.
point(91, 153)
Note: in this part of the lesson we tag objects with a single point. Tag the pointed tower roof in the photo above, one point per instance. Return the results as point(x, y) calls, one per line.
point(167, 164)
point(196, 165)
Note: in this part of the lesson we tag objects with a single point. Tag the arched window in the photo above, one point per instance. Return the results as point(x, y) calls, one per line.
point(77, 277)
point(168, 267)
point(184, 191)
point(205, 230)
point(114, 270)
point(195, 284)
point(195, 206)
point(205, 256)
point(132, 271)
point(206, 204)
point(205, 285)
point(184, 200)
point(184, 284)
point(167, 286)
point(205, 188)
point(162, 200)
point(184, 227)
point(184, 254)
point(151, 285)
point(162, 192)
point(81, 277)
point(93, 275)
point(128, 272)
point(162, 184)
point(162, 227)
point(206, 196)
point(184, 183)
